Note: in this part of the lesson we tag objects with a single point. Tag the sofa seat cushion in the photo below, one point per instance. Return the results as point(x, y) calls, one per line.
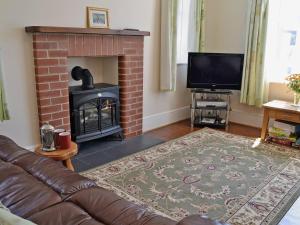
point(65, 213)
point(22, 193)
point(109, 208)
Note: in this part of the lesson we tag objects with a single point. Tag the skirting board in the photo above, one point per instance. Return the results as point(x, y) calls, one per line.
point(161, 119)
point(169, 117)
point(30, 148)
point(246, 118)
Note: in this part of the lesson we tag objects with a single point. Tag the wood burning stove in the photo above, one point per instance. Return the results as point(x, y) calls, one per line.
point(94, 109)
point(95, 113)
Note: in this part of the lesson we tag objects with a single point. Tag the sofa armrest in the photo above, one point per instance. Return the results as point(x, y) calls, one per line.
point(199, 220)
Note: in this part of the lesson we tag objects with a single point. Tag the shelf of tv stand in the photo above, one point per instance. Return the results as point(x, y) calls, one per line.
point(198, 123)
point(208, 101)
point(211, 107)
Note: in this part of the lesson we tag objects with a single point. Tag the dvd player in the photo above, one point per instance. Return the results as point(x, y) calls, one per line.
point(211, 104)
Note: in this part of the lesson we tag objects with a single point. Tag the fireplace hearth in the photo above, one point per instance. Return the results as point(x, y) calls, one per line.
point(94, 113)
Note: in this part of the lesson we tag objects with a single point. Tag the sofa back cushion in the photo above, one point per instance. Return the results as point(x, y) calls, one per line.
point(64, 213)
point(7, 218)
point(22, 193)
point(108, 208)
point(9, 150)
point(53, 174)
point(49, 172)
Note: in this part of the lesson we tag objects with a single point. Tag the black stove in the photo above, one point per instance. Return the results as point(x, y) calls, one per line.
point(95, 112)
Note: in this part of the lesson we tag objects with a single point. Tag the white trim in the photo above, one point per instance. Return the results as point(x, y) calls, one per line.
point(161, 119)
point(30, 148)
point(165, 118)
point(246, 118)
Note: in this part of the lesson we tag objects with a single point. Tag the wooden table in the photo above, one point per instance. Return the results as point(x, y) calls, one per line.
point(63, 155)
point(279, 110)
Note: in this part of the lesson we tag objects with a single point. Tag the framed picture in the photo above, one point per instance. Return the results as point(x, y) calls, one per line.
point(97, 17)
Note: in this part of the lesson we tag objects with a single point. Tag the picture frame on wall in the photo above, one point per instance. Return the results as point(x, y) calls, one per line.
point(97, 17)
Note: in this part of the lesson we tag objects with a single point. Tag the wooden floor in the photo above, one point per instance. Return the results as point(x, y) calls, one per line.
point(181, 128)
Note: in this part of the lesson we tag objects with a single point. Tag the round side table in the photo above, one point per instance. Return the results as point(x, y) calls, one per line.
point(63, 155)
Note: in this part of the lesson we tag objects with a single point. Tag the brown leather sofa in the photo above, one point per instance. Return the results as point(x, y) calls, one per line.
point(43, 191)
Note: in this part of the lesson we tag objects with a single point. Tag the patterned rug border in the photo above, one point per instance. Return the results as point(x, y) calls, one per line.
point(281, 207)
point(284, 207)
point(294, 154)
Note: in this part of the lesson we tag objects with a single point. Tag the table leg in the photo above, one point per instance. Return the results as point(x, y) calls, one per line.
point(68, 164)
point(265, 125)
point(192, 118)
point(193, 110)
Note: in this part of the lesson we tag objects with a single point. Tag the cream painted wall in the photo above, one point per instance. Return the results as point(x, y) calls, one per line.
point(225, 25)
point(19, 68)
point(225, 32)
point(226, 22)
point(103, 69)
point(94, 64)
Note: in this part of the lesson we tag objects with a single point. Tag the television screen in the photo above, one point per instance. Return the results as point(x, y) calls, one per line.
point(215, 71)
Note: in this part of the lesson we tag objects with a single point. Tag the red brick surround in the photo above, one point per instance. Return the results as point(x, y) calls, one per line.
point(51, 52)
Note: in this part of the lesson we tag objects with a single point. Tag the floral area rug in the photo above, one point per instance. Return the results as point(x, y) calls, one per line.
point(208, 172)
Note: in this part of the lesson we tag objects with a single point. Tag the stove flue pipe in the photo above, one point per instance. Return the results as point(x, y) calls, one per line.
point(85, 75)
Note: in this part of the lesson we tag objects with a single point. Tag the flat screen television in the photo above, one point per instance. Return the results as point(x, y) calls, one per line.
point(215, 71)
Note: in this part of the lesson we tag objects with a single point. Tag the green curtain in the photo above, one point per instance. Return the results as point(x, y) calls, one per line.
point(196, 26)
point(254, 85)
point(3, 106)
point(200, 25)
point(168, 64)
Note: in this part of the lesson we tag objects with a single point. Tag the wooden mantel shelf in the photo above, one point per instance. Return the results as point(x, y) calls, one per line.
point(78, 30)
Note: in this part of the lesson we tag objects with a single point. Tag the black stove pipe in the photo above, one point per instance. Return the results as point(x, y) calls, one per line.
point(85, 75)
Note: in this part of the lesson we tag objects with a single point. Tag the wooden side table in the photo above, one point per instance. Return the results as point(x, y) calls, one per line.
point(63, 155)
point(279, 110)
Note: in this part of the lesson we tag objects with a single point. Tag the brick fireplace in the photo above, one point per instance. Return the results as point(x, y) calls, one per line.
point(51, 48)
